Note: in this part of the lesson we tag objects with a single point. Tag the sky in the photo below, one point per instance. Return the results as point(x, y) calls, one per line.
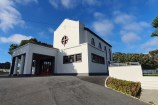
point(125, 24)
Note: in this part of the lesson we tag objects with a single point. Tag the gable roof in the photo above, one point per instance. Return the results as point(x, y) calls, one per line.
point(85, 28)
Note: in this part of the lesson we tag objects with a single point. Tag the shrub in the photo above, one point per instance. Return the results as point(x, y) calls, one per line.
point(127, 87)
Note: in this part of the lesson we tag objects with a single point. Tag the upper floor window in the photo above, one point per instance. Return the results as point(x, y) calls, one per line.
point(105, 51)
point(93, 42)
point(110, 54)
point(100, 46)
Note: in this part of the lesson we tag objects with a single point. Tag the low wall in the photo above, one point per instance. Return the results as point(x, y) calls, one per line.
point(130, 73)
point(134, 73)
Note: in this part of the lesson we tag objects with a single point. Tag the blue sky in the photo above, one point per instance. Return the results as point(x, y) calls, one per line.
point(125, 24)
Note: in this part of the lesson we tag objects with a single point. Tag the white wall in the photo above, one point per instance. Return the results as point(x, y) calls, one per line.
point(29, 49)
point(75, 67)
point(130, 73)
point(96, 67)
point(70, 29)
point(134, 73)
point(97, 41)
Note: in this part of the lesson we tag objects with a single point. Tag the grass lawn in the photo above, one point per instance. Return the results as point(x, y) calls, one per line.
point(150, 74)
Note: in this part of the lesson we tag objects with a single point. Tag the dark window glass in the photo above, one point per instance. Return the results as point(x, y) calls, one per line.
point(110, 54)
point(72, 58)
point(93, 42)
point(100, 46)
point(97, 59)
point(65, 59)
point(105, 51)
point(78, 57)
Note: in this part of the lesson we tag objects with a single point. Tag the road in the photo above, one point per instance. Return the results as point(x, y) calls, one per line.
point(59, 90)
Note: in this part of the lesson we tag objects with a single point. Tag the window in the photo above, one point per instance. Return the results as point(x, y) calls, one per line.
point(78, 57)
point(105, 51)
point(110, 54)
point(93, 42)
point(65, 59)
point(72, 58)
point(100, 46)
point(97, 59)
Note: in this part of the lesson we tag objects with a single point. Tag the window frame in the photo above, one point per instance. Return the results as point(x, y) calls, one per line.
point(97, 59)
point(100, 47)
point(92, 42)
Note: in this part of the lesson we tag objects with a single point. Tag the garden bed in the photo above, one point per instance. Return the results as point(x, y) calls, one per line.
point(127, 87)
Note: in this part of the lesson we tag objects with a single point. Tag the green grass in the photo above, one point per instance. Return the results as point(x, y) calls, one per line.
point(150, 74)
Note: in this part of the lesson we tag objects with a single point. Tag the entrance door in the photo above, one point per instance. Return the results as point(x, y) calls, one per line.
point(43, 65)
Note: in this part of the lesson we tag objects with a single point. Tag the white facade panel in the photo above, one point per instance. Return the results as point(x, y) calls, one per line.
point(70, 29)
point(96, 67)
point(80, 67)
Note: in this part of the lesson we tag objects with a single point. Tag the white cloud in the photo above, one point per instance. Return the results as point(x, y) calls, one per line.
point(122, 18)
point(131, 28)
point(24, 2)
point(136, 26)
point(90, 2)
point(16, 38)
point(9, 15)
point(54, 3)
point(150, 44)
point(129, 37)
point(51, 30)
point(69, 4)
point(103, 26)
point(99, 15)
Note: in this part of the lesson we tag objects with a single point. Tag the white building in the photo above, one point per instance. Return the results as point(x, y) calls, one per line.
point(77, 51)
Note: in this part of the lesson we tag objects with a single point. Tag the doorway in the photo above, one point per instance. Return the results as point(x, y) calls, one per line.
point(43, 65)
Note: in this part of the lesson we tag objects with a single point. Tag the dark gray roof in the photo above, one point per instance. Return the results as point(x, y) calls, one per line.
point(85, 28)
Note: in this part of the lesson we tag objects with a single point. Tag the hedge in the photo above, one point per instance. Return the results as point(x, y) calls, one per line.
point(127, 87)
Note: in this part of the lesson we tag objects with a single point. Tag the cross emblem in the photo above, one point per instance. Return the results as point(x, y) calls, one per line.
point(64, 40)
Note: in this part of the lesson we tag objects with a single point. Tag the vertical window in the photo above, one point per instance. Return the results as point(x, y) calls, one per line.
point(78, 57)
point(93, 42)
point(71, 58)
point(65, 59)
point(105, 51)
point(100, 46)
point(110, 54)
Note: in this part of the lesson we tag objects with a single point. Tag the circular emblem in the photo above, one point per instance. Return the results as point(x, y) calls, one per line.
point(64, 40)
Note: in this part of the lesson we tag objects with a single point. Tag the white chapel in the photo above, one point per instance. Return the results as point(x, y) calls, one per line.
point(77, 51)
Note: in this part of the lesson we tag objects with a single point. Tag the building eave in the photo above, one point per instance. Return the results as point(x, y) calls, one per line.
point(85, 28)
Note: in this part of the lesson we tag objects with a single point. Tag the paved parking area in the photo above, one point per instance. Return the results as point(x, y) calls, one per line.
point(59, 90)
point(150, 96)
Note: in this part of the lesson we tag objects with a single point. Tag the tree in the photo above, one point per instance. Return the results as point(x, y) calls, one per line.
point(12, 47)
point(23, 42)
point(155, 25)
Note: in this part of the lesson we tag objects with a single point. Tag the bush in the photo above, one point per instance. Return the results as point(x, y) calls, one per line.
point(127, 87)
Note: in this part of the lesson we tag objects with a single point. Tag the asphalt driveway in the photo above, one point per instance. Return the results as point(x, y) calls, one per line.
point(59, 90)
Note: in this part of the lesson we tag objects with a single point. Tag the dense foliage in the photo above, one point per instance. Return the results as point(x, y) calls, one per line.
point(155, 25)
point(148, 61)
point(5, 65)
point(127, 87)
point(23, 42)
